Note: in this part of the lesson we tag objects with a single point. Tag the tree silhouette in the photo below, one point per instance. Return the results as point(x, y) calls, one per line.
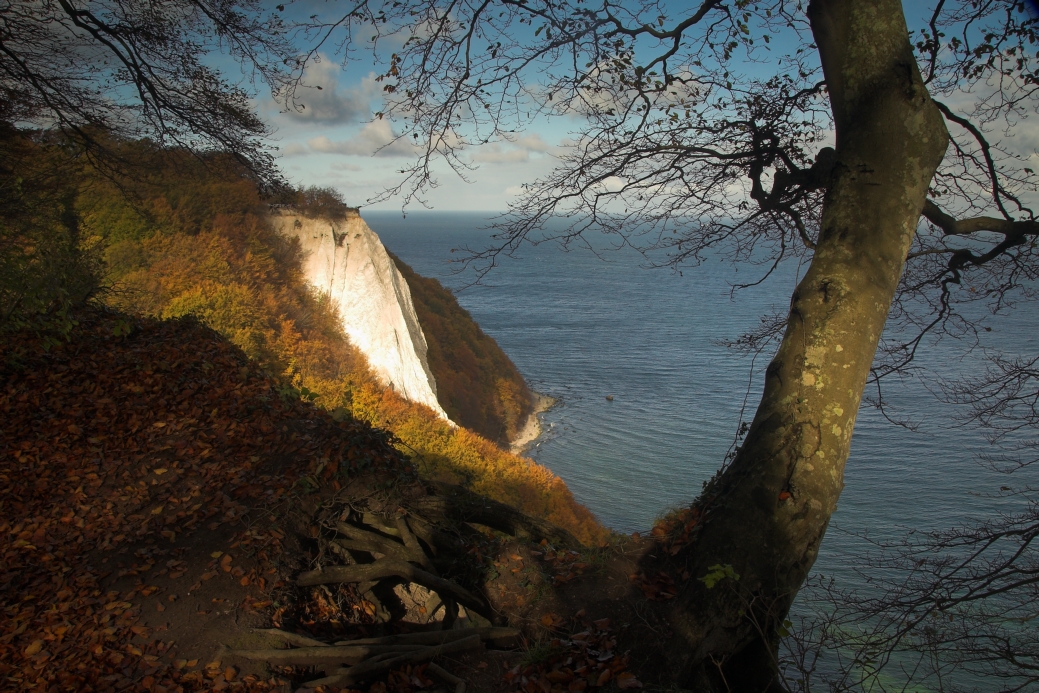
point(133, 69)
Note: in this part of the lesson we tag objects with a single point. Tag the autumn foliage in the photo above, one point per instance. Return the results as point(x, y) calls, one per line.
point(194, 239)
point(477, 384)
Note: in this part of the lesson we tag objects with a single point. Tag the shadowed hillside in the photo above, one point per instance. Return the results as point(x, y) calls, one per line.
point(195, 238)
point(477, 384)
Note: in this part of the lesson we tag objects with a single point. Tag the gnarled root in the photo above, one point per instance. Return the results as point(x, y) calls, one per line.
point(392, 567)
point(370, 657)
point(447, 676)
point(457, 504)
point(374, 667)
point(402, 546)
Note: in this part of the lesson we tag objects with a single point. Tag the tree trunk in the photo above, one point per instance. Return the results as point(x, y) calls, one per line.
point(767, 513)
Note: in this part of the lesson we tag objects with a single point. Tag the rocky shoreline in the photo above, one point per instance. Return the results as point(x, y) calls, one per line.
point(532, 428)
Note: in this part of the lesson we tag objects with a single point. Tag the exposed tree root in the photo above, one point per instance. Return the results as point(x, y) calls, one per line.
point(454, 503)
point(370, 657)
point(376, 666)
point(447, 676)
point(392, 567)
point(383, 545)
point(500, 637)
point(291, 638)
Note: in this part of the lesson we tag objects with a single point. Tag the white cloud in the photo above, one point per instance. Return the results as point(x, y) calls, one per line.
point(494, 153)
point(534, 143)
point(375, 139)
point(321, 99)
point(293, 149)
point(514, 190)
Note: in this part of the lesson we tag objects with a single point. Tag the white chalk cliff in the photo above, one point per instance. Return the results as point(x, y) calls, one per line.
point(346, 261)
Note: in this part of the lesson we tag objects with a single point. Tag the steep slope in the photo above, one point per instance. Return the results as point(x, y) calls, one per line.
point(132, 457)
point(173, 519)
point(477, 384)
point(344, 260)
point(200, 242)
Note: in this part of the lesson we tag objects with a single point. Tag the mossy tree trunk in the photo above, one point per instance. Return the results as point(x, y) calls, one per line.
point(771, 507)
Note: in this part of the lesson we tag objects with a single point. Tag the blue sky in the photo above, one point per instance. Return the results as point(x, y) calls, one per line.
point(334, 141)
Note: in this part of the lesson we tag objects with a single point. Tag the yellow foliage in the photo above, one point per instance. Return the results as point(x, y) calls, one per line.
point(227, 267)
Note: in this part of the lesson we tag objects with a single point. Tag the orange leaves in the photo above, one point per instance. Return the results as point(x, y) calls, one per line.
point(658, 587)
point(627, 680)
point(585, 659)
point(551, 620)
point(85, 472)
point(678, 529)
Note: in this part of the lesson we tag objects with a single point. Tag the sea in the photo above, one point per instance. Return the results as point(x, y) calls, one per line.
point(649, 396)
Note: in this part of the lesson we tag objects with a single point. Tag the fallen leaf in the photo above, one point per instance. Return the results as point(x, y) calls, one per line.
point(627, 680)
point(35, 647)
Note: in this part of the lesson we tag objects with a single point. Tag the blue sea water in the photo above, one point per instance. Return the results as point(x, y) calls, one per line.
point(582, 326)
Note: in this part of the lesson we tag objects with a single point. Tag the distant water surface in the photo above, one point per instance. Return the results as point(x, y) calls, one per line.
point(581, 327)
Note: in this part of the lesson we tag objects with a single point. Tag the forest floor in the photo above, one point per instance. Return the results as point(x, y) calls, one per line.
point(161, 502)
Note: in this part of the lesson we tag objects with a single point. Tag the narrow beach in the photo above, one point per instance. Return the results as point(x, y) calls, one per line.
point(532, 428)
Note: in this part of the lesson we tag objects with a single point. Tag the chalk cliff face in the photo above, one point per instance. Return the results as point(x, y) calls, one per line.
point(347, 261)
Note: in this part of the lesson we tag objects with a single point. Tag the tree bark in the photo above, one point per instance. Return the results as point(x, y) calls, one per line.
point(767, 513)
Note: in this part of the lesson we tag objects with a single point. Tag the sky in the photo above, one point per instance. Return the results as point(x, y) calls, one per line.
point(335, 141)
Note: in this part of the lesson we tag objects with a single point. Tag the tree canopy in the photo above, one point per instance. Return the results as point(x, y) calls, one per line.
point(136, 69)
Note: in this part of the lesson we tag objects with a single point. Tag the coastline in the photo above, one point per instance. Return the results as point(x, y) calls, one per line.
point(532, 428)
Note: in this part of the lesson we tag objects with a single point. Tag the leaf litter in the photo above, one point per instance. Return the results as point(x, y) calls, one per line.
point(116, 441)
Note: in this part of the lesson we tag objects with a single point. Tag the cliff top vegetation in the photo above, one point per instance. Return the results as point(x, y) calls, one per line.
point(477, 384)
